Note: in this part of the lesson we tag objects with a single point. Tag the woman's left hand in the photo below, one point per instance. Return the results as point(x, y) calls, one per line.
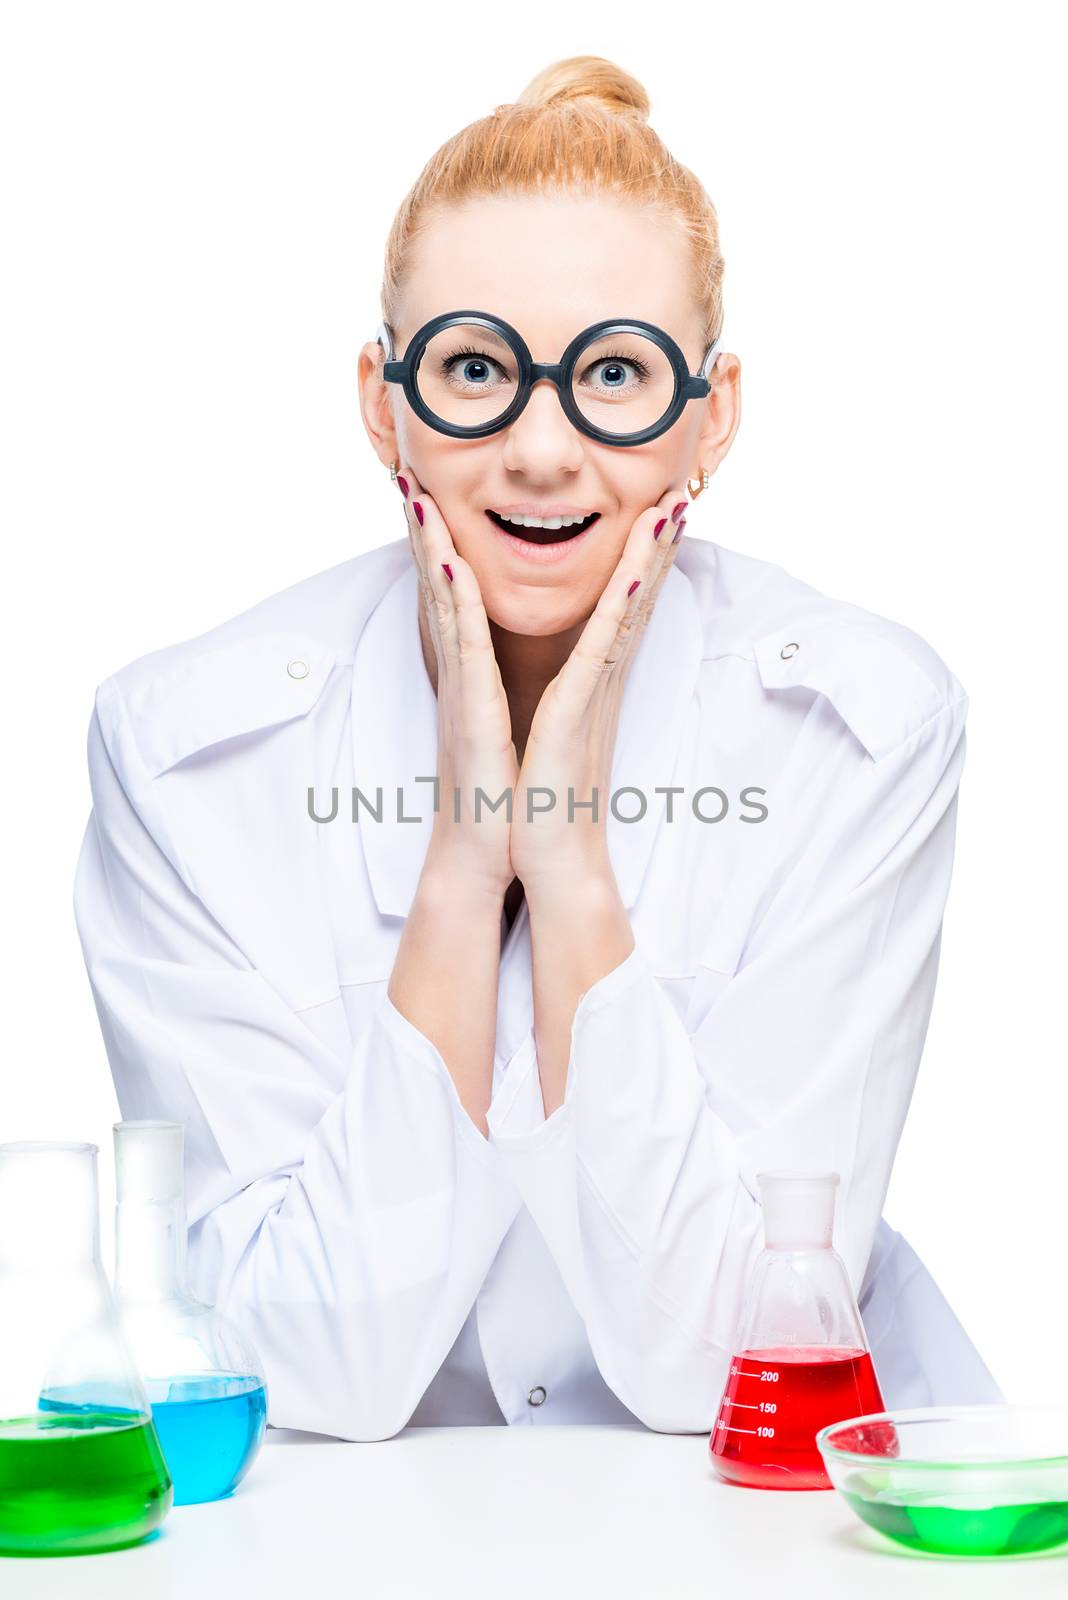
point(572, 737)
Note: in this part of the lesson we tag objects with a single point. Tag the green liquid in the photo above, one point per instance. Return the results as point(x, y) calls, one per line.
point(70, 1484)
point(982, 1531)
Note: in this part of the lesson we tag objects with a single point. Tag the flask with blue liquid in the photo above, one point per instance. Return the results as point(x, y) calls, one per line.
point(203, 1379)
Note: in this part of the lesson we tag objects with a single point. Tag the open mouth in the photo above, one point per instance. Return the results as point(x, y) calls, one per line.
point(543, 535)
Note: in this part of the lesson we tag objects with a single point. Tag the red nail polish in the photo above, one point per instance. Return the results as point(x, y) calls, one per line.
point(678, 531)
point(678, 510)
point(417, 508)
point(661, 525)
point(447, 570)
point(402, 484)
point(633, 586)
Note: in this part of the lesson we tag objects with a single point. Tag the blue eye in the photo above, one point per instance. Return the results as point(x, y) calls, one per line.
point(476, 367)
point(613, 374)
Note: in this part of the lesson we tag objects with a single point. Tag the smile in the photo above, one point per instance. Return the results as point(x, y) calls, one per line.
point(537, 530)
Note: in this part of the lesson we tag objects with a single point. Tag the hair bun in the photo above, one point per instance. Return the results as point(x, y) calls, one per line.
point(587, 78)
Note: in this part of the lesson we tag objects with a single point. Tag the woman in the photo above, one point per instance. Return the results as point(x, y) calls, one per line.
point(475, 1101)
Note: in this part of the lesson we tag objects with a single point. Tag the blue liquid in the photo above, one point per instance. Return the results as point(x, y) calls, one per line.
point(210, 1430)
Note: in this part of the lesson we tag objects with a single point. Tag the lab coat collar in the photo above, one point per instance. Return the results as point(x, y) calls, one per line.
point(394, 737)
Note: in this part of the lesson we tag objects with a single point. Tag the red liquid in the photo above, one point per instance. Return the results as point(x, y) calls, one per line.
point(775, 1403)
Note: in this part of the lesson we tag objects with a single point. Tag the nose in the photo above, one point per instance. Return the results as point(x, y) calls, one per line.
point(541, 441)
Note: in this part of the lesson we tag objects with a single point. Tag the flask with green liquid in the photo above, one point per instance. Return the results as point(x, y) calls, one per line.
point(81, 1467)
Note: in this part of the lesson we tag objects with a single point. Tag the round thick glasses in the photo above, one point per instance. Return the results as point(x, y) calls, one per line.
point(620, 381)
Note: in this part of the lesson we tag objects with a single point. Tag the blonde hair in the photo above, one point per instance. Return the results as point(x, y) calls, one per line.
point(581, 124)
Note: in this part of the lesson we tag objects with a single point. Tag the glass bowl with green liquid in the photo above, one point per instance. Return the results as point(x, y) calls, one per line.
point(956, 1480)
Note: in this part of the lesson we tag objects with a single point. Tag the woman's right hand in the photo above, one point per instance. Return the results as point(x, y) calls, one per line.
point(475, 746)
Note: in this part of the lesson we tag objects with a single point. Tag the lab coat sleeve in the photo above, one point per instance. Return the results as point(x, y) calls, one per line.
point(644, 1181)
point(344, 1212)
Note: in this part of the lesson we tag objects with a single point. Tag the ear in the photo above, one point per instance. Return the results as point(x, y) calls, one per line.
point(376, 406)
point(723, 411)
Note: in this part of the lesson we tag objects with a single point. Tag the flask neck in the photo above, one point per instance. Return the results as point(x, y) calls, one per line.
point(798, 1209)
point(150, 1250)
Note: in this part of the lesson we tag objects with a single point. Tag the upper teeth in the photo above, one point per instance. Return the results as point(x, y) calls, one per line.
point(541, 522)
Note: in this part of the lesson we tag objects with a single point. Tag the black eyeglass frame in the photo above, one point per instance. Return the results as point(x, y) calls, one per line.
point(688, 386)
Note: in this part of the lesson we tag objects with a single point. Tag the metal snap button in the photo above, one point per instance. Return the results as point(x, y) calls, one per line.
point(789, 650)
point(298, 669)
point(536, 1395)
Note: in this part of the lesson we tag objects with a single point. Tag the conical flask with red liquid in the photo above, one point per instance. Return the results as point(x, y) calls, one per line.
point(802, 1359)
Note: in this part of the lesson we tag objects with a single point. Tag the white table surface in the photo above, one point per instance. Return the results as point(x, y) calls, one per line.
point(510, 1512)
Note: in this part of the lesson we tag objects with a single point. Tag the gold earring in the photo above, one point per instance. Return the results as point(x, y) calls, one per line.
point(393, 471)
point(705, 479)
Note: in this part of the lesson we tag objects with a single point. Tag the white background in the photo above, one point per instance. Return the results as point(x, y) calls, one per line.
point(196, 200)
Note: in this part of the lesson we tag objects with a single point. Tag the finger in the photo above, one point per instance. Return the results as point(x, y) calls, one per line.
point(481, 686)
point(645, 555)
point(595, 654)
point(406, 476)
point(674, 500)
point(441, 562)
point(459, 618)
point(432, 550)
point(608, 638)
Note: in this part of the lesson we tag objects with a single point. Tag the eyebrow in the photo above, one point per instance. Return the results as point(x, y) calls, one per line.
point(489, 335)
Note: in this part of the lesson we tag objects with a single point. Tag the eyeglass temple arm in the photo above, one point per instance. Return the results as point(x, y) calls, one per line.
point(392, 369)
point(710, 359)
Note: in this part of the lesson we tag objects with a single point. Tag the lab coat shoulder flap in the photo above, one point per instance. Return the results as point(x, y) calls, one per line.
point(825, 695)
point(254, 671)
point(213, 743)
point(882, 679)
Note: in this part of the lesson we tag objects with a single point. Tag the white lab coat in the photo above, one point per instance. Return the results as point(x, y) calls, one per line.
point(390, 1263)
